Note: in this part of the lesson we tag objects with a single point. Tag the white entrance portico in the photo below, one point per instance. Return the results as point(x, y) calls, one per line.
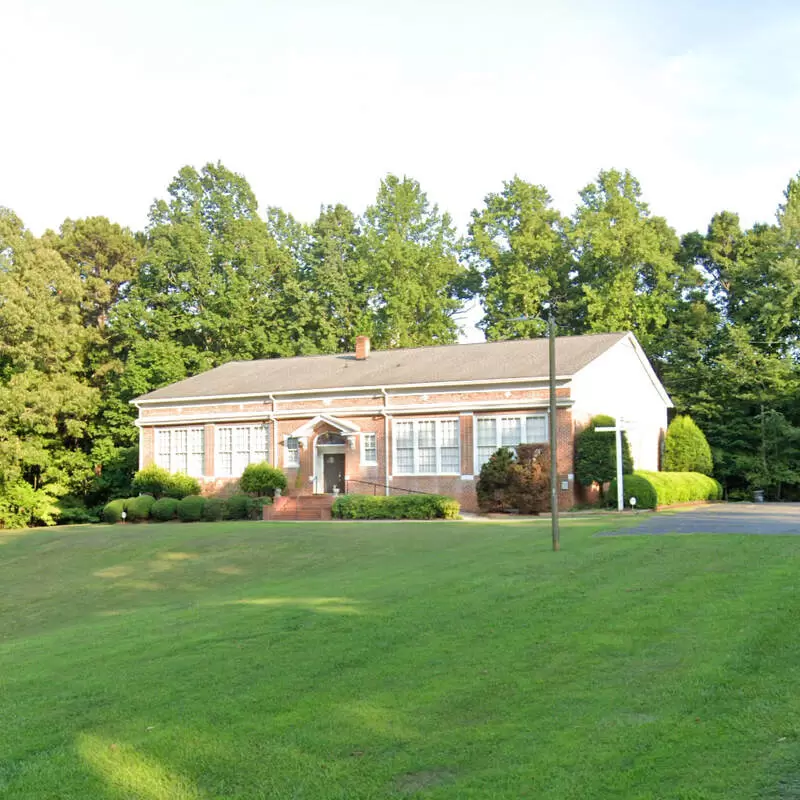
point(330, 448)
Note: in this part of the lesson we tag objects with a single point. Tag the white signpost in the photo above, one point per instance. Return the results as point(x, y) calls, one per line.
point(617, 431)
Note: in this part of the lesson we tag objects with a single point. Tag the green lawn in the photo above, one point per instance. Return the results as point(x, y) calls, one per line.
point(435, 660)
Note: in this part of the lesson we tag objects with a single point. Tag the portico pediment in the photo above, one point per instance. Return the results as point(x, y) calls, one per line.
point(343, 426)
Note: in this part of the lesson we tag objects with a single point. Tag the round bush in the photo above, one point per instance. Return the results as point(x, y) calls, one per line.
point(686, 448)
point(138, 508)
point(214, 509)
point(164, 509)
point(190, 509)
point(112, 512)
point(238, 506)
point(262, 479)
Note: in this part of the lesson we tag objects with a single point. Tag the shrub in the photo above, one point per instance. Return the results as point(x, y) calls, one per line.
point(112, 512)
point(164, 509)
point(653, 489)
point(415, 506)
point(494, 481)
point(529, 489)
point(214, 509)
point(262, 479)
point(138, 508)
point(686, 448)
point(190, 508)
point(596, 454)
point(22, 506)
point(158, 482)
point(72, 511)
point(238, 506)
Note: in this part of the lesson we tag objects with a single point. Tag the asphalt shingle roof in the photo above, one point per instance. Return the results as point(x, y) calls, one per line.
point(485, 361)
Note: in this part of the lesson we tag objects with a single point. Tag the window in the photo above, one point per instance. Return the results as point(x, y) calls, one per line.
point(238, 446)
point(292, 452)
point(492, 433)
point(427, 447)
point(181, 450)
point(369, 449)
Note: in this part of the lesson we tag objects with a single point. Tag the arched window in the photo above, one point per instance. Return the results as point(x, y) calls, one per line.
point(331, 438)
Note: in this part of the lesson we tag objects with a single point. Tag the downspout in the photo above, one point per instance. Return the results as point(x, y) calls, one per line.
point(385, 439)
point(141, 433)
point(274, 432)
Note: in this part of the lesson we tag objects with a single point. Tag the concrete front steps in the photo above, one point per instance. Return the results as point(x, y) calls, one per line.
point(302, 507)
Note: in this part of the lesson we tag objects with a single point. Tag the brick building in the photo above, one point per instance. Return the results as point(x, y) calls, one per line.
point(421, 418)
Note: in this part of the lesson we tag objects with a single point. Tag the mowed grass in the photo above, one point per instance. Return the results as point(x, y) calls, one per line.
point(435, 660)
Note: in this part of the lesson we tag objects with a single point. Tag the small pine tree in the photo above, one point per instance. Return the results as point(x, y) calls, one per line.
point(596, 454)
point(686, 448)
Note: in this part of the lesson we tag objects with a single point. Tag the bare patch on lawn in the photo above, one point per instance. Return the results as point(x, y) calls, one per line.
point(413, 782)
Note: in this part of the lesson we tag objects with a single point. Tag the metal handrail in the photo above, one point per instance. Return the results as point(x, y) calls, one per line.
point(382, 486)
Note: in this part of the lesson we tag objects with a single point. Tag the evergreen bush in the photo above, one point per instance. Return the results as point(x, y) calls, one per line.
point(138, 508)
point(214, 509)
point(686, 448)
point(164, 509)
point(238, 506)
point(190, 508)
point(112, 512)
point(596, 454)
point(262, 479)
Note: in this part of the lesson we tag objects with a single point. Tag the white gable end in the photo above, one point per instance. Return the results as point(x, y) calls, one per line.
point(620, 382)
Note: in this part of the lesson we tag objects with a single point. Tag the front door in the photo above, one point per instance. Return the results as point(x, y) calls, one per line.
point(333, 472)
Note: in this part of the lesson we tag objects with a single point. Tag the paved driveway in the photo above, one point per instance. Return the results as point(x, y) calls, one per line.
point(755, 518)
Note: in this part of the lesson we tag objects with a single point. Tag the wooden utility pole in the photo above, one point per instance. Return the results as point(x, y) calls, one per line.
point(551, 335)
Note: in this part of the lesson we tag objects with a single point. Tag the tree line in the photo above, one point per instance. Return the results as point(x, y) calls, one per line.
point(94, 314)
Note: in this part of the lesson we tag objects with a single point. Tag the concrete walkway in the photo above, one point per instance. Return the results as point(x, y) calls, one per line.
point(750, 518)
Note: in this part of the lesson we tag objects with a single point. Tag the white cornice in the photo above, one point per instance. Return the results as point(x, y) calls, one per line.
point(369, 411)
point(353, 391)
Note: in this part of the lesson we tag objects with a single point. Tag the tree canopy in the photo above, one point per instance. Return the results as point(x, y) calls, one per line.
point(94, 314)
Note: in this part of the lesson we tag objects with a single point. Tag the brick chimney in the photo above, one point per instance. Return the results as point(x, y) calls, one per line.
point(362, 348)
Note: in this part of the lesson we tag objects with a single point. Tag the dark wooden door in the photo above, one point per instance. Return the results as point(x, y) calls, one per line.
point(333, 472)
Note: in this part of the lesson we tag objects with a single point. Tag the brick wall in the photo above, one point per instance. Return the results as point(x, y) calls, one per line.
point(362, 478)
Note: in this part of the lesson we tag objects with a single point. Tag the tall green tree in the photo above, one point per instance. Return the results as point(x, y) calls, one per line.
point(45, 404)
point(625, 259)
point(340, 280)
point(518, 245)
point(409, 249)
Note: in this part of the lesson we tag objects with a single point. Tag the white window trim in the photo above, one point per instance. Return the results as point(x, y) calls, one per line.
point(415, 420)
point(233, 427)
point(364, 462)
point(189, 431)
point(287, 463)
point(498, 435)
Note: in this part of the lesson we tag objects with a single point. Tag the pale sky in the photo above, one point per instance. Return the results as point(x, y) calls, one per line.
point(104, 100)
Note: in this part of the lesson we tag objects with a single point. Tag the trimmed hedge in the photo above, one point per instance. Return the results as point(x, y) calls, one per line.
point(190, 509)
point(414, 506)
point(138, 508)
point(112, 512)
point(160, 483)
point(238, 506)
point(653, 489)
point(214, 509)
point(164, 509)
